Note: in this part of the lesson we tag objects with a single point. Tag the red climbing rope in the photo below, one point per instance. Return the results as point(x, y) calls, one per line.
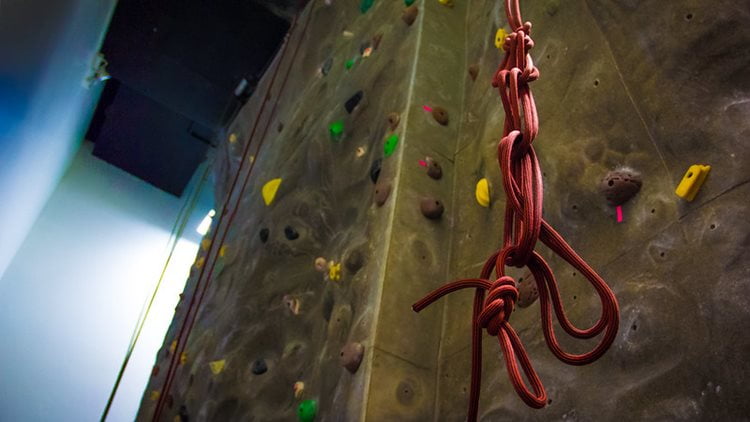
point(202, 282)
point(523, 227)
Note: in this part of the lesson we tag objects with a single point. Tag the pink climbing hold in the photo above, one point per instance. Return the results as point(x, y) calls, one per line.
point(427, 108)
point(423, 163)
point(619, 213)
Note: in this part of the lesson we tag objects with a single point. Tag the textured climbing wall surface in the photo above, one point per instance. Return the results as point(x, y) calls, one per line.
point(651, 86)
point(655, 86)
point(323, 208)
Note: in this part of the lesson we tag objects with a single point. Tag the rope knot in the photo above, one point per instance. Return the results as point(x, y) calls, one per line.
point(499, 305)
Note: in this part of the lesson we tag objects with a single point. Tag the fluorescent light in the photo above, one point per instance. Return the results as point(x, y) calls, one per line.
point(206, 223)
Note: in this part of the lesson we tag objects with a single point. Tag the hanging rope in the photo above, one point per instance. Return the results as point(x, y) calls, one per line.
point(202, 282)
point(523, 228)
point(175, 235)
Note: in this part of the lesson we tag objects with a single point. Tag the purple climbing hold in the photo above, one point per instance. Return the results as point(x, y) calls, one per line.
point(351, 356)
point(431, 208)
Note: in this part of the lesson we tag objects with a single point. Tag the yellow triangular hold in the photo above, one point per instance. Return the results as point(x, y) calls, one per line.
point(183, 358)
point(173, 347)
point(482, 192)
point(217, 366)
point(269, 190)
point(154, 396)
point(222, 251)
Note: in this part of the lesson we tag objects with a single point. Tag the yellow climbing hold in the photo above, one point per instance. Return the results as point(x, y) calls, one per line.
point(154, 396)
point(334, 271)
point(222, 251)
point(500, 38)
point(173, 347)
point(270, 189)
point(217, 366)
point(199, 262)
point(692, 181)
point(482, 192)
point(183, 358)
point(448, 3)
point(205, 244)
point(232, 138)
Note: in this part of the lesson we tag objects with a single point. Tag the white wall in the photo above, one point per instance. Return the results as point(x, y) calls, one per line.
point(71, 296)
point(45, 48)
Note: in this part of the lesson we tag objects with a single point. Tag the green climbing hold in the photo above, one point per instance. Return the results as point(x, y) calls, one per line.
point(349, 64)
point(337, 130)
point(365, 5)
point(390, 144)
point(307, 410)
point(408, 2)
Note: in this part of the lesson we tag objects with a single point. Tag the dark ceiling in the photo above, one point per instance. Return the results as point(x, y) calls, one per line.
point(175, 67)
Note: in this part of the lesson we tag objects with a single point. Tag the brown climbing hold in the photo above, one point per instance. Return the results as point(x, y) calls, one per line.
point(410, 15)
point(431, 208)
point(376, 40)
point(155, 371)
point(433, 169)
point(382, 191)
point(351, 356)
point(440, 115)
point(527, 291)
point(474, 71)
point(393, 120)
point(618, 186)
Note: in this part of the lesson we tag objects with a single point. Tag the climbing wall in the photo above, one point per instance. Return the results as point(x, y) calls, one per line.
point(362, 149)
point(655, 87)
point(293, 294)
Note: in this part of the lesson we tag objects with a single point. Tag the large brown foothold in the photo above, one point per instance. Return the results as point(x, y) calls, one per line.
point(440, 115)
point(393, 120)
point(433, 169)
point(410, 15)
point(351, 356)
point(474, 71)
point(382, 191)
point(618, 186)
point(431, 208)
point(527, 291)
